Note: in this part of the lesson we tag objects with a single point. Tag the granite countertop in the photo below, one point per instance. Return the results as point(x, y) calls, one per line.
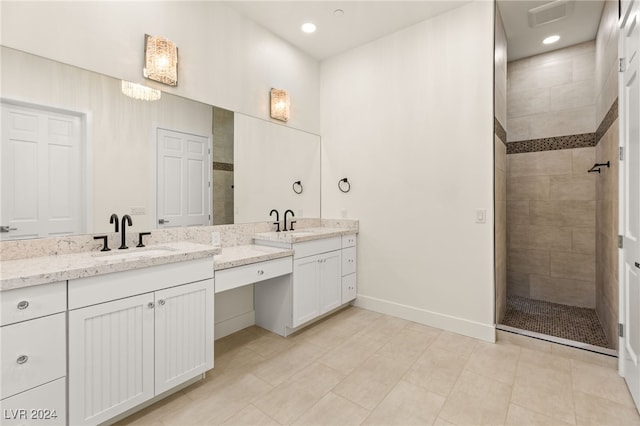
point(47, 269)
point(245, 255)
point(305, 234)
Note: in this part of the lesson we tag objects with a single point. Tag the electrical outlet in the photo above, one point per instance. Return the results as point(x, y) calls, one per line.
point(215, 238)
point(344, 213)
point(138, 211)
point(481, 215)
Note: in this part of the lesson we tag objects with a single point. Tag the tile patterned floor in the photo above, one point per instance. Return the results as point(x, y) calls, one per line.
point(554, 319)
point(361, 367)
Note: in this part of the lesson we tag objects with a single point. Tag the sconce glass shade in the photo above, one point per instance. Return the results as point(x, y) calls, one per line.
point(138, 91)
point(279, 104)
point(160, 60)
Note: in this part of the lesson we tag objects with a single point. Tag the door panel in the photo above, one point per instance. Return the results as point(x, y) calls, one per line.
point(330, 281)
point(42, 168)
point(630, 201)
point(305, 290)
point(183, 179)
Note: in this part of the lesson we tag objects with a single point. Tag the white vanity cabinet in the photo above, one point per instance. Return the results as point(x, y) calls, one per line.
point(323, 279)
point(349, 254)
point(33, 355)
point(134, 335)
point(316, 286)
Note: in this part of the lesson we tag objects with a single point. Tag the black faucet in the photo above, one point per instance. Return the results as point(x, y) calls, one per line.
point(114, 219)
point(126, 220)
point(277, 222)
point(285, 219)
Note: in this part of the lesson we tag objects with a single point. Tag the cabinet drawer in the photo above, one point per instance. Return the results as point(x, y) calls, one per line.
point(33, 353)
point(32, 302)
point(349, 289)
point(44, 405)
point(310, 248)
point(104, 288)
point(348, 261)
point(227, 279)
point(349, 240)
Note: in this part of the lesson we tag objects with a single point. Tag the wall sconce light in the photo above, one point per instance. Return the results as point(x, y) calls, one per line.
point(138, 91)
point(279, 104)
point(160, 60)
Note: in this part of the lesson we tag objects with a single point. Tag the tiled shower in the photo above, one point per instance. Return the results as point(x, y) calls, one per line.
point(556, 264)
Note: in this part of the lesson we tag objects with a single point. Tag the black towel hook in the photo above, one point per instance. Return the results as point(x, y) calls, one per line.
point(341, 186)
point(297, 187)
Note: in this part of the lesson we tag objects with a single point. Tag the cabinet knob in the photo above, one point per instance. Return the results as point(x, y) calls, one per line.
point(151, 305)
point(22, 359)
point(260, 272)
point(23, 304)
point(161, 302)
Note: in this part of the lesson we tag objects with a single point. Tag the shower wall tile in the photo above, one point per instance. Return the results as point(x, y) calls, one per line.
point(528, 261)
point(561, 290)
point(517, 211)
point(606, 239)
point(518, 283)
point(527, 102)
point(552, 94)
point(573, 95)
point(551, 216)
point(573, 266)
point(580, 187)
point(543, 163)
point(540, 237)
point(562, 213)
point(582, 159)
point(566, 122)
point(583, 240)
point(528, 188)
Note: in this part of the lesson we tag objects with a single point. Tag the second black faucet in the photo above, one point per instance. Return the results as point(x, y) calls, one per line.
point(126, 220)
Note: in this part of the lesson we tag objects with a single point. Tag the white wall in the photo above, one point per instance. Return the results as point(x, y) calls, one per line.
point(408, 119)
point(268, 159)
point(224, 59)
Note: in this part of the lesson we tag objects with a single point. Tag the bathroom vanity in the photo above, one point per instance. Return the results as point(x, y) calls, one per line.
point(323, 278)
point(139, 324)
point(91, 337)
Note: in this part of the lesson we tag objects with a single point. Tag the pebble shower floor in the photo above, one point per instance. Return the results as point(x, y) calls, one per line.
point(554, 319)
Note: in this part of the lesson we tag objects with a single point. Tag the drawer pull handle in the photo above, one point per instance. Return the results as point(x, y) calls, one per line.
point(23, 304)
point(260, 272)
point(151, 305)
point(22, 359)
point(161, 302)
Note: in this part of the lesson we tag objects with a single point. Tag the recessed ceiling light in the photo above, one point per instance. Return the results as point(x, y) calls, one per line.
point(551, 39)
point(308, 27)
point(338, 12)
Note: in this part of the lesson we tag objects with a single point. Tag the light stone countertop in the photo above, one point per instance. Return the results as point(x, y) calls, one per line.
point(48, 269)
point(247, 254)
point(304, 234)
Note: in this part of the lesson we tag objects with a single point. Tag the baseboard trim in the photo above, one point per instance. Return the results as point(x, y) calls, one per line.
point(231, 325)
point(457, 325)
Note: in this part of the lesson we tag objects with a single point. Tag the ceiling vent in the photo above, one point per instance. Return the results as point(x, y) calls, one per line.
point(550, 12)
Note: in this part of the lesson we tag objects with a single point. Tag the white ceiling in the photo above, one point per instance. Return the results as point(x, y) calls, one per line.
point(366, 20)
point(362, 22)
point(524, 41)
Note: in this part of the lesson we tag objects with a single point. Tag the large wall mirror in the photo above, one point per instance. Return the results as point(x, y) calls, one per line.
point(75, 149)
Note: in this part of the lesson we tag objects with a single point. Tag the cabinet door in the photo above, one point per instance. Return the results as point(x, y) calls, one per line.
point(44, 405)
point(305, 290)
point(183, 333)
point(330, 283)
point(110, 358)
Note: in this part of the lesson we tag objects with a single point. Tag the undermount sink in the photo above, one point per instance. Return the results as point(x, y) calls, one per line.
point(135, 254)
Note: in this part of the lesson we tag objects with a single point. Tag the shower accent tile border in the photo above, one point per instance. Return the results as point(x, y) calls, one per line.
point(227, 167)
point(582, 140)
point(607, 121)
point(499, 130)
